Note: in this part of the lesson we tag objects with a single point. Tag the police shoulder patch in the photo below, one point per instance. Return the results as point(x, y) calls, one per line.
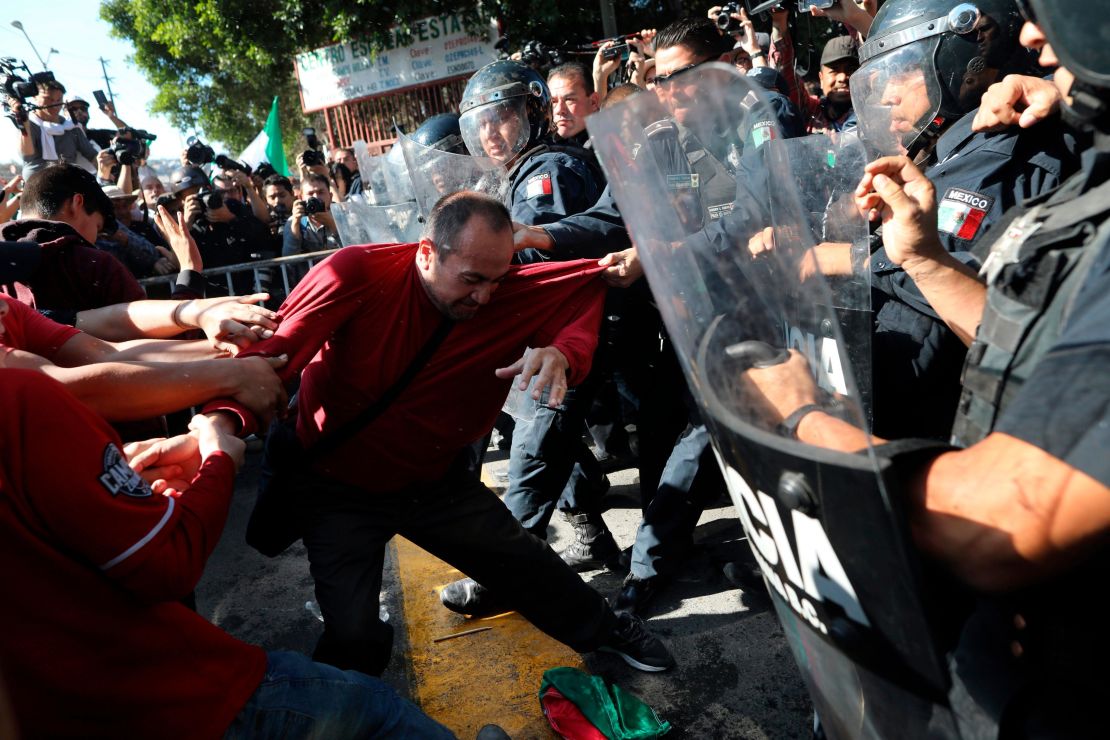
point(118, 477)
point(537, 185)
point(962, 212)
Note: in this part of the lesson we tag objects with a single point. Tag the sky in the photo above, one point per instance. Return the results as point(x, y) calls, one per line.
point(75, 29)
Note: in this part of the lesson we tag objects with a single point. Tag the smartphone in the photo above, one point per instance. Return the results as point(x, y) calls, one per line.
point(803, 5)
point(101, 98)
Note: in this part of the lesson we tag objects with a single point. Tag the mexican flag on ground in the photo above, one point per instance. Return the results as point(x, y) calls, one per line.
point(266, 147)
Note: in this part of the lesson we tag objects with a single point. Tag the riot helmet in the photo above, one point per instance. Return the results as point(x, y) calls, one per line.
point(441, 132)
point(506, 109)
point(927, 63)
point(1078, 33)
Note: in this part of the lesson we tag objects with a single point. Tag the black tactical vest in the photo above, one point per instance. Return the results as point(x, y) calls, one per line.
point(1034, 270)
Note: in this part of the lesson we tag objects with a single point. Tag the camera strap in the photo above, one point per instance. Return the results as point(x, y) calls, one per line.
point(331, 442)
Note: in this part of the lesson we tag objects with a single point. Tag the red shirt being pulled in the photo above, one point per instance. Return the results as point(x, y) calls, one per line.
point(358, 318)
point(95, 643)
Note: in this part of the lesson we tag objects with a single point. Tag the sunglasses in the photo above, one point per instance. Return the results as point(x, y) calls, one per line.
point(665, 80)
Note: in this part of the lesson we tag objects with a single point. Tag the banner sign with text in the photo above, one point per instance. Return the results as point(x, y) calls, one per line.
point(435, 48)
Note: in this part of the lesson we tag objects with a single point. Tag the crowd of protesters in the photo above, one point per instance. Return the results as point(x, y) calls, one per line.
point(542, 282)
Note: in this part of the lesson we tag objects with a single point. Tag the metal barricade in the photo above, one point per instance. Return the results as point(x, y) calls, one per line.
point(284, 264)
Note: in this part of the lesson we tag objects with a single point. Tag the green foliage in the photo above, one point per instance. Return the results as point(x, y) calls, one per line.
point(218, 63)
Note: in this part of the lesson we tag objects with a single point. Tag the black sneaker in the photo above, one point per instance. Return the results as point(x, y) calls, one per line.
point(635, 593)
point(470, 598)
point(492, 732)
point(638, 647)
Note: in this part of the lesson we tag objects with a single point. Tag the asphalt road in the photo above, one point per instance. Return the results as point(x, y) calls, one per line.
point(735, 676)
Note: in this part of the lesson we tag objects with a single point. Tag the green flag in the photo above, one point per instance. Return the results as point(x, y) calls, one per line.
point(267, 147)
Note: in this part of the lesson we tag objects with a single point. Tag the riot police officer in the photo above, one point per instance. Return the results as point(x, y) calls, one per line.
point(505, 116)
point(1021, 511)
point(916, 92)
point(441, 132)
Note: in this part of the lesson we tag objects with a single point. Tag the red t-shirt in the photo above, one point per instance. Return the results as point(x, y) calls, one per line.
point(26, 329)
point(94, 642)
point(358, 318)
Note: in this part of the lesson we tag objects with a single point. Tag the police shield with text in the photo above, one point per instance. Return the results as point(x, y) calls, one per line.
point(824, 529)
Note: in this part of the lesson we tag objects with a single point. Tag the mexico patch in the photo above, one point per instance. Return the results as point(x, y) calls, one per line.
point(763, 132)
point(962, 212)
point(118, 477)
point(537, 186)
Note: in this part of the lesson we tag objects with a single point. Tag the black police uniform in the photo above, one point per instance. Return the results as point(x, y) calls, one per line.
point(549, 462)
point(1039, 371)
point(978, 177)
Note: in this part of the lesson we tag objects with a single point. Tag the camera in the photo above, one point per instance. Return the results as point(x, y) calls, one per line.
point(165, 200)
point(313, 205)
point(199, 153)
point(210, 200)
point(127, 151)
point(803, 5)
point(225, 163)
point(614, 51)
point(265, 170)
point(725, 21)
point(541, 56)
point(311, 157)
point(20, 84)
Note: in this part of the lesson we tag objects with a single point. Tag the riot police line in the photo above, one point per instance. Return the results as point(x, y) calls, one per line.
point(782, 355)
point(889, 644)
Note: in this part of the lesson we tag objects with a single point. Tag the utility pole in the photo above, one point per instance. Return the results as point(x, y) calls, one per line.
point(107, 80)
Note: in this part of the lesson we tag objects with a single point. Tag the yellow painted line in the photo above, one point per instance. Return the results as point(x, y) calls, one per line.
point(474, 679)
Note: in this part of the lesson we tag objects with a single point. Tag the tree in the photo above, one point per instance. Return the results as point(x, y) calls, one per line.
point(218, 63)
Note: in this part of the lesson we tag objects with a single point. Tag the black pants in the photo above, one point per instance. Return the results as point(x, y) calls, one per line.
point(461, 522)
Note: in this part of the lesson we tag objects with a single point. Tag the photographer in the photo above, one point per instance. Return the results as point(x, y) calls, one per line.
point(344, 170)
point(311, 228)
point(226, 232)
point(313, 162)
point(279, 204)
point(78, 109)
point(48, 136)
point(236, 185)
point(140, 255)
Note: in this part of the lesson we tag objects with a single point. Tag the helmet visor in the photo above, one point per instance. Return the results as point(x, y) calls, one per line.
point(497, 130)
point(896, 95)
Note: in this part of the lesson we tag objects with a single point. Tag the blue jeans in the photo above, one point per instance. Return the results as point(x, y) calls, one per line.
point(550, 465)
point(302, 699)
point(691, 480)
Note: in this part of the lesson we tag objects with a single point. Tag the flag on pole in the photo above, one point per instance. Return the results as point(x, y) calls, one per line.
point(267, 147)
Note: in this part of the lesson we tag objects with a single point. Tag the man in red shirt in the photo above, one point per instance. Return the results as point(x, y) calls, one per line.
point(354, 325)
point(95, 561)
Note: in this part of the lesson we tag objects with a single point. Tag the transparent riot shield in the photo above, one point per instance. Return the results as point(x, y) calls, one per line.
point(736, 287)
point(825, 170)
point(435, 173)
point(385, 177)
point(361, 222)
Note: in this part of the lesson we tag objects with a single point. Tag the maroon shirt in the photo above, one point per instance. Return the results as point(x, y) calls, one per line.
point(74, 275)
point(359, 317)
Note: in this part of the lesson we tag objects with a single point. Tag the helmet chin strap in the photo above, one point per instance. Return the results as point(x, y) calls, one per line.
point(1088, 111)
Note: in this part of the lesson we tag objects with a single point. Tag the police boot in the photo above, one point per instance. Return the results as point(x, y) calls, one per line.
point(593, 547)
